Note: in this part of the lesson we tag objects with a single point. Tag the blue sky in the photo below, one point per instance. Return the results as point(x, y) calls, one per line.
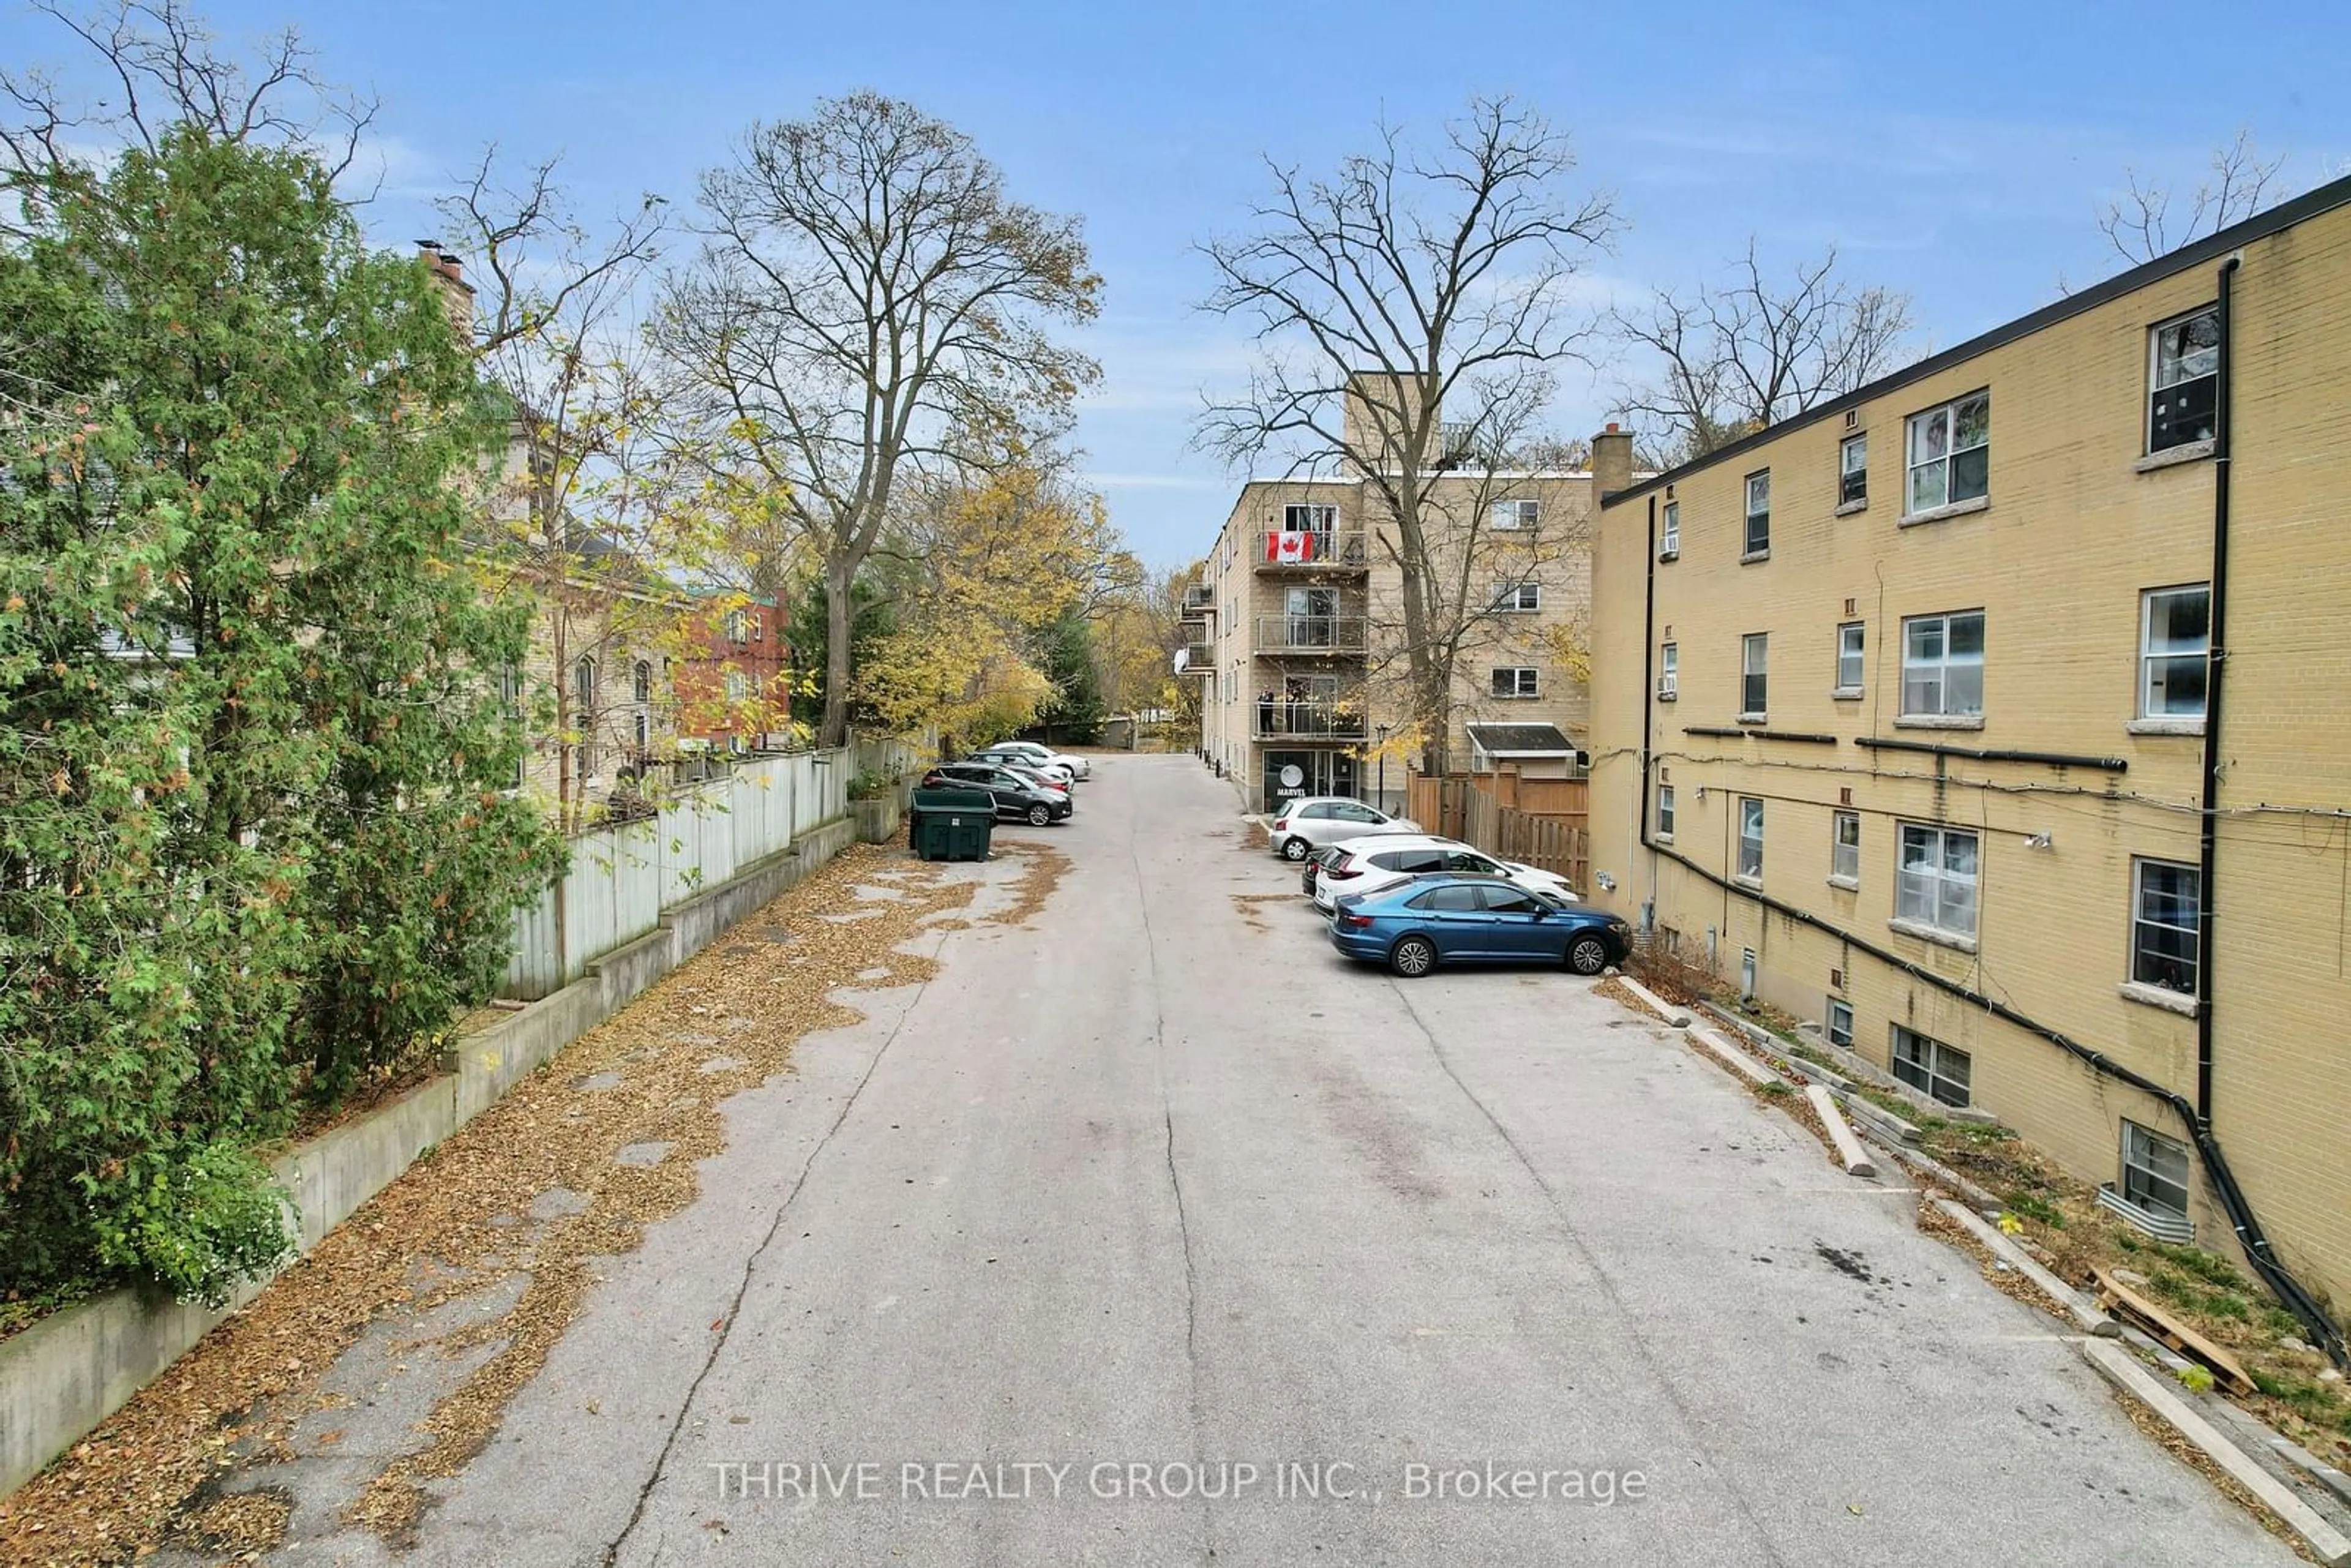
point(1955, 152)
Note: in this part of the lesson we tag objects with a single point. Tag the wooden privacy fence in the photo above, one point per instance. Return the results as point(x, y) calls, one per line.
point(1459, 808)
point(621, 878)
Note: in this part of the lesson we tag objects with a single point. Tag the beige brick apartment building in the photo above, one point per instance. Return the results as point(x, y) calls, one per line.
point(1296, 627)
point(1997, 717)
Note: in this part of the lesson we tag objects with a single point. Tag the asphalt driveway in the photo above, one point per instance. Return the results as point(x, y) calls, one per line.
point(1152, 1233)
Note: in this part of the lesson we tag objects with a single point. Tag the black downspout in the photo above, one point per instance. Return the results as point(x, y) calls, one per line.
point(2216, 668)
point(1649, 692)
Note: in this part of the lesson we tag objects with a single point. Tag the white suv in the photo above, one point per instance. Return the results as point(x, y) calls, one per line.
point(1301, 825)
point(1370, 864)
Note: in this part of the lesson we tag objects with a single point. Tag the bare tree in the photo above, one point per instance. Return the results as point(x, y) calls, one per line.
point(2139, 224)
point(588, 524)
point(163, 69)
point(869, 298)
point(1749, 352)
point(1413, 310)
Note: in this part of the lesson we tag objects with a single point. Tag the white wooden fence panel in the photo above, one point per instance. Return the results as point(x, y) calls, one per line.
point(621, 878)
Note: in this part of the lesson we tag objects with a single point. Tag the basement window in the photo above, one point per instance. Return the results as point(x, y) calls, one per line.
point(2155, 1171)
point(1941, 1072)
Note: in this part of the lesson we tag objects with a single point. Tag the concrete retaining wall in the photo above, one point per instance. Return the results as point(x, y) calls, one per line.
point(878, 820)
point(73, 1369)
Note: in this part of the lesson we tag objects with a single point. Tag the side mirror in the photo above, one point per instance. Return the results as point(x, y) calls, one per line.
point(1540, 913)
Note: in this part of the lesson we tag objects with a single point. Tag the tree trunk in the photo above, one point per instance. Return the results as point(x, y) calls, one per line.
point(839, 613)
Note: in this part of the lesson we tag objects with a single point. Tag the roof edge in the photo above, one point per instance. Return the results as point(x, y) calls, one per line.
point(2310, 204)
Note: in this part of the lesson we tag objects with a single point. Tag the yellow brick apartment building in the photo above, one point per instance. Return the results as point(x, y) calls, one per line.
point(1997, 718)
point(1296, 626)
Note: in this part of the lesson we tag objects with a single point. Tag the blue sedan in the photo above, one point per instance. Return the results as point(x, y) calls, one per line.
point(1447, 917)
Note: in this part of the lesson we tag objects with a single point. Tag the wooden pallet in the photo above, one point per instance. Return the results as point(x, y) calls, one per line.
point(2141, 1314)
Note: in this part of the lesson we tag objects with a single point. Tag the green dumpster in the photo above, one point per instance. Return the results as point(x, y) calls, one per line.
point(950, 825)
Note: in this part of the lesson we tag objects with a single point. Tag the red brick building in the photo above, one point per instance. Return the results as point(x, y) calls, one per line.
point(735, 693)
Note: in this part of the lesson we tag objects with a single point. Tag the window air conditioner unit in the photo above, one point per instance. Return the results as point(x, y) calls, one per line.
point(1665, 691)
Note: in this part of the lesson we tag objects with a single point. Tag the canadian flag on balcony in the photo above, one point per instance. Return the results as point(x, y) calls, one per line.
point(1288, 546)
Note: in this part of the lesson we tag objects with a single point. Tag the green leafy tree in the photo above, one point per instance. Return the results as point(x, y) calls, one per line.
point(1073, 715)
point(250, 722)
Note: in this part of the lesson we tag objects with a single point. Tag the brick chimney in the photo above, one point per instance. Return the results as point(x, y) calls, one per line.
point(456, 294)
point(1612, 460)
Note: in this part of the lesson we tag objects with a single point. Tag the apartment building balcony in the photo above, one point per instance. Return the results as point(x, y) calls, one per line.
point(1199, 600)
point(1321, 549)
point(1311, 634)
point(1307, 720)
point(1196, 659)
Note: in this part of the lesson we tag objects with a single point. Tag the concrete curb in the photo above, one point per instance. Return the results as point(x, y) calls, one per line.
point(1848, 1147)
point(1733, 1058)
point(2122, 1370)
point(2083, 1311)
point(62, 1376)
point(1679, 1018)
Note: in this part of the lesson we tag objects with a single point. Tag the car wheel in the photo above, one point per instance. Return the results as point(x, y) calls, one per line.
point(1413, 958)
point(1293, 849)
point(1587, 955)
point(1040, 815)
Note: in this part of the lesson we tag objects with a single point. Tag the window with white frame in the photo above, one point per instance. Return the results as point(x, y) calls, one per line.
point(644, 727)
point(1309, 518)
point(1665, 810)
point(1840, 1023)
point(2155, 1171)
point(2167, 913)
point(1935, 885)
point(583, 685)
point(1942, 665)
point(1669, 542)
point(1514, 515)
point(1951, 454)
point(1516, 680)
point(1754, 674)
point(1845, 847)
point(510, 704)
point(1518, 596)
point(1758, 513)
point(1751, 839)
point(1849, 663)
point(640, 682)
point(2175, 645)
point(738, 686)
point(738, 628)
point(1853, 471)
point(1670, 671)
point(1942, 1073)
point(2183, 380)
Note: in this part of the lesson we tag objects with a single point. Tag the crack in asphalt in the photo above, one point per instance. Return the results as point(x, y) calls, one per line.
point(751, 1264)
point(1174, 1182)
point(1691, 1422)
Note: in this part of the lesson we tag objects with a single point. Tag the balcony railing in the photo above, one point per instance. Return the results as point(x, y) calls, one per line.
point(1199, 599)
point(1330, 548)
point(1277, 718)
point(1196, 659)
point(1310, 634)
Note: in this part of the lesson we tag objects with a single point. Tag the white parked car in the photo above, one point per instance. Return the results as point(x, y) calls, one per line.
point(1078, 765)
point(1367, 865)
point(1014, 756)
point(1301, 824)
